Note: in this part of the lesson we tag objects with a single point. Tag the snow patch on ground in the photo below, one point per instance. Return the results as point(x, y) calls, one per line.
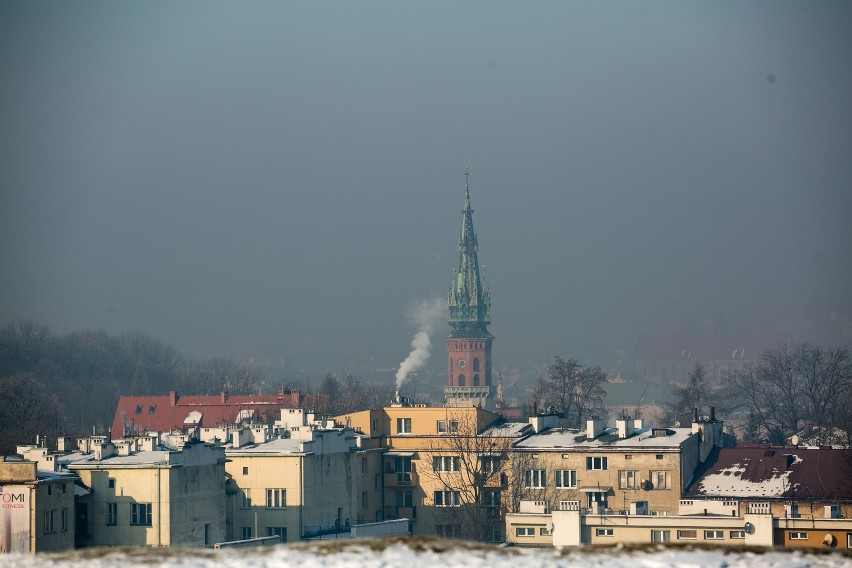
point(429, 554)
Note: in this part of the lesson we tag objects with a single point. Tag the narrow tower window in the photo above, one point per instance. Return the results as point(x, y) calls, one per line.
point(461, 380)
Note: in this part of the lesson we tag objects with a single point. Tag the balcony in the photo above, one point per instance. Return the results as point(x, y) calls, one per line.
point(400, 512)
point(400, 479)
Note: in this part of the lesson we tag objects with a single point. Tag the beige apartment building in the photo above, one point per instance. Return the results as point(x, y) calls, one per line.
point(147, 493)
point(36, 506)
point(445, 469)
point(610, 470)
point(313, 482)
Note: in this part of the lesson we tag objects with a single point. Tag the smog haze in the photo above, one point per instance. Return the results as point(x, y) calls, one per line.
point(281, 179)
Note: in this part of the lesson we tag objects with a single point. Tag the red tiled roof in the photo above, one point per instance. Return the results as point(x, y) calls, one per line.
point(791, 472)
point(168, 412)
point(708, 346)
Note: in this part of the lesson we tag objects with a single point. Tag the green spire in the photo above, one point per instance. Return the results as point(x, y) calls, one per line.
point(469, 300)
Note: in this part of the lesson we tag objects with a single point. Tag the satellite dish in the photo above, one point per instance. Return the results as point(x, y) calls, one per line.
point(830, 540)
point(794, 440)
point(748, 528)
point(644, 484)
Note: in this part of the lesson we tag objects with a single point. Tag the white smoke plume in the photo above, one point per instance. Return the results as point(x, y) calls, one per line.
point(427, 316)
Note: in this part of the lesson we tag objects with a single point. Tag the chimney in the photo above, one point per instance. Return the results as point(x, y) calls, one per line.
point(712, 414)
point(594, 427)
point(695, 415)
point(625, 427)
point(638, 424)
point(173, 397)
point(222, 397)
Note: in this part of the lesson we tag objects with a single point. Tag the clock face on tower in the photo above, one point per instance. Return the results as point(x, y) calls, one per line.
point(462, 363)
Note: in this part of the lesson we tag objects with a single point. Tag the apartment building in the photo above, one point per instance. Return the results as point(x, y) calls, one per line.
point(609, 469)
point(445, 469)
point(808, 490)
point(149, 491)
point(36, 505)
point(310, 483)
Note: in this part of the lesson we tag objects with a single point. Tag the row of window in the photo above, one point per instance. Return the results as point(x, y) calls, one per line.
point(627, 479)
point(493, 532)
point(659, 535)
point(275, 498)
point(281, 532)
point(50, 520)
point(140, 514)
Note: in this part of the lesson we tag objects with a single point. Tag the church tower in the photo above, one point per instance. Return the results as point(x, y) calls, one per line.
point(469, 342)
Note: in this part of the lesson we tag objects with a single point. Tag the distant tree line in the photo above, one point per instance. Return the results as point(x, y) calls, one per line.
point(70, 384)
point(788, 390)
point(791, 388)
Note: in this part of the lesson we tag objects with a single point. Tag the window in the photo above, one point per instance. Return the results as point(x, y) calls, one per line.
point(714, 535)
point(604, 532)
point(402, 467)
point(849, 540)
point(565, 478)
point(112, 514)
point(363, 466)
point(659, 456)
point(276, 498)
point(404, 498)
point(491, 500)
point(448, 426)
point(446, 498)
point(49, 518)
point(737, 534)
point(364, 499)
point(476, 364)
point(493, 533)
point(403, 425)
point(111, 483)
point(525, 531)
point(595, 463)
point(152, 409)
point(246, 504)
point(50, 489)
point(535, 479)
point(246, 533)
point(627, 479)
point(687, 534)
point(280, 532)
point(446, 531)
point(445, 463)
point(490, 464)
point(798, 536)
point(660, 536)
point(64, 519)
point(140, 514)
point(660, 480)
point(245, 471)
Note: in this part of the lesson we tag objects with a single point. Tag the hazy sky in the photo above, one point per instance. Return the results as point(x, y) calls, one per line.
point(285, 179)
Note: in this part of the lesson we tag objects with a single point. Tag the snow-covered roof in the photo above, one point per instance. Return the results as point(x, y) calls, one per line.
point(567, 438)
point(507, 430)
point(777, 473)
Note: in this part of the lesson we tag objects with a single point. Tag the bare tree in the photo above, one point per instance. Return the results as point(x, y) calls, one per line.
point(27, 409)
point(469, 471)
point(572, 390)
point(696, 393)
point(792, 386)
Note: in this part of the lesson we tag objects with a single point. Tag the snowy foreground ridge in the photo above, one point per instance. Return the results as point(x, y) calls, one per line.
point(416, 553)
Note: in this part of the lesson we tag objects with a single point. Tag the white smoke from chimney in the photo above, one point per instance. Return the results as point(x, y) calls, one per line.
point(426, 315)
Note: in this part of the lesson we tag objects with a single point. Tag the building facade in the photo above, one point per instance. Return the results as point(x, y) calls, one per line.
point(147, 493)
point(36, 506)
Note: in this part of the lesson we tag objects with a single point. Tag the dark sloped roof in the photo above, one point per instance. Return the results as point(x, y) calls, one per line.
point(777, 473)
